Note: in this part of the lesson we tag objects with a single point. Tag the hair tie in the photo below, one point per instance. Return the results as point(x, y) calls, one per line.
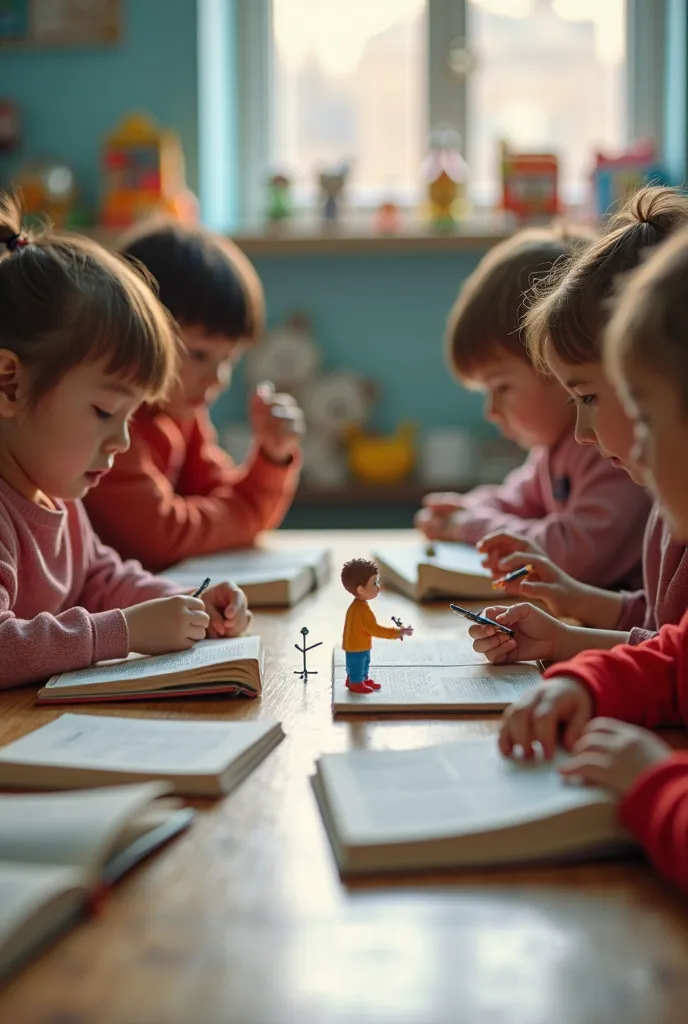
point(15, 242)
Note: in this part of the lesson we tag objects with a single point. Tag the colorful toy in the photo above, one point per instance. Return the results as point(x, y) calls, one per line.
point(361, 578)
point(332, 184)
point(614, 178)
point(382, 460)
point(48, 190)
point(334, 405)
point(529, 184)
point(445, 173)
point(387, 218)
point(143, 167)
point(304, 650)
point(279, 198)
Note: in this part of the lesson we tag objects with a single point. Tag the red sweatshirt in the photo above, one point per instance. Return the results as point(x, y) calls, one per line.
point(175, 493)
point(647, 685)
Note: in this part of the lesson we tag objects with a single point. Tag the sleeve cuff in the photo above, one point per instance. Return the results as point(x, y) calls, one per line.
point(111, 635)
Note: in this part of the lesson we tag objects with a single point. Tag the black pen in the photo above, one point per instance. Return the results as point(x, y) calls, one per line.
point(204, 586)
point(482, 620)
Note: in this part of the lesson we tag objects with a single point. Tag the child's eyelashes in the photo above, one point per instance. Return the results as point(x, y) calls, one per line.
point(588, 399)
point(102, 414)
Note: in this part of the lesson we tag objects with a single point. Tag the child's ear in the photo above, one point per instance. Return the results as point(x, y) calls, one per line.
point(12, 383)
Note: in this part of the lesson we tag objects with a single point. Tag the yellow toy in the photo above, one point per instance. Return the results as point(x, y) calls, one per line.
point(144, 174)
point(382, 460)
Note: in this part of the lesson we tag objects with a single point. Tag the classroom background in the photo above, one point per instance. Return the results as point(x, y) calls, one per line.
point(363, 165)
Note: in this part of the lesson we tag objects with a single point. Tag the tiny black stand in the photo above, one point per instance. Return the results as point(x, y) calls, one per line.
point(304, 650)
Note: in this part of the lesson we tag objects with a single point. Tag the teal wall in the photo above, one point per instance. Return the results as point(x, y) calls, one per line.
point(69, 99)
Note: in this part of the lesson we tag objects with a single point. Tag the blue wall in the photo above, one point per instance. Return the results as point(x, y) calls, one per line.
point(69, 99)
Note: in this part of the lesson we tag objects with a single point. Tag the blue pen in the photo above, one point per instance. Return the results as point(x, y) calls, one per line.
point(204, 586)
point(482, 620)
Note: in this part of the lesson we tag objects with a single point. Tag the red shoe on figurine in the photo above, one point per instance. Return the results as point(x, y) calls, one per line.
point(373, 685)
point(358, 687)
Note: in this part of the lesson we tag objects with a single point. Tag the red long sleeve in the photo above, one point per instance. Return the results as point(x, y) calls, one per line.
point(175, 494)
point(656, 811)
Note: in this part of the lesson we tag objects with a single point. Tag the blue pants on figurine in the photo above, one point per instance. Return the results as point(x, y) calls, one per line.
point(357, 665)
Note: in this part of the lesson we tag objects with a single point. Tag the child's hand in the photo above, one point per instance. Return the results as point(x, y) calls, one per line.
point(541, 713)
point(613, 754)
point(547, 583)
point(166, 624)
point(537, 635)
point(227, 607)
point(406, 631)
point(277, 423)
point(498, 545)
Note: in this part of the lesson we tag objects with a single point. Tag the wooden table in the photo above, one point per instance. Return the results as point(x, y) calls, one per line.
point(245, 918)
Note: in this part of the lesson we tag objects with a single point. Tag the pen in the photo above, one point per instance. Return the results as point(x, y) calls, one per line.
point(204, 586)
point(399, 624)
point(525, 570)
point(482, 620)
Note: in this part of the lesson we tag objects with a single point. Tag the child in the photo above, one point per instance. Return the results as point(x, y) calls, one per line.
point(646, 353)
point(190, 498)
point(82, 343)
point(362, 579)
point(565, 332)
point(564, 497)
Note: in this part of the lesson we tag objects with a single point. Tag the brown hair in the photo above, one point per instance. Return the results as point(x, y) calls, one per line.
point(487, 315)
point(570, 312)
point(356, 573)
point(64, 301)
point(204, 280)
point(649, 321)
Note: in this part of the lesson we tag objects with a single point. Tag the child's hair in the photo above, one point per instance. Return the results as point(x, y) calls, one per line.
point(487, 315)
point(570, 312)
point(204, 280)
point(649, 321)
point(64, 301)
point(356, 573)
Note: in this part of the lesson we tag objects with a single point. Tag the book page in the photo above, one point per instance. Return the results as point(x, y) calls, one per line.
point(249, 566)
point(169, 747)
point(47, 895)
point(482, 687)
point(453, 789)
point(404, 559)
point(450, 648)
point(69, 829)
point(203, 653)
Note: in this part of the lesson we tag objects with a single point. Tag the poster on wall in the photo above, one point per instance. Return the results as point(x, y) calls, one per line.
point(39, 23)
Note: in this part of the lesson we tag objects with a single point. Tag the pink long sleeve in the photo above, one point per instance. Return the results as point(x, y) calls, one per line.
point(61, 591)
point(588, 515)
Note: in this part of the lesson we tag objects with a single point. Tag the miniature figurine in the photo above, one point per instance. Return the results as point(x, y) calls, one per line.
point(361, 578)
point(332, 184)
point(304, 650)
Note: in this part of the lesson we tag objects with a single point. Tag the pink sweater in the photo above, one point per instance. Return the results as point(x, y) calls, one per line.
point(587, 515)
point(665, 597)
point(61, 591)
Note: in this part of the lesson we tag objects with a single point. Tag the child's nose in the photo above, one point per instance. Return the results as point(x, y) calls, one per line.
point(490, 412)
point(583, 432)
point(119, 440)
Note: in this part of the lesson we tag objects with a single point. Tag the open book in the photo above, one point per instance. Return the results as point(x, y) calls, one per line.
point(440, 672)
point(195, 758)
point(57, 850)
point(454, 570)
point(211, 666)
point(459, 804)
point(268, 577)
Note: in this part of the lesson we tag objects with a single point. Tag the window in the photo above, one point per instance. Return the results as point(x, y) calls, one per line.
point(364, 81)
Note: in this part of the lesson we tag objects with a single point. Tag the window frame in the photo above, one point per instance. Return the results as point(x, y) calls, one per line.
point(447, 92)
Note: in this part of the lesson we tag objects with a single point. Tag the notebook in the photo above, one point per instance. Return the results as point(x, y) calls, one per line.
point(440, 672)
point(195, 758)
point(209, 667)
point(57, 850)
point(459, 804)
point(268, 577)
point(454, 570)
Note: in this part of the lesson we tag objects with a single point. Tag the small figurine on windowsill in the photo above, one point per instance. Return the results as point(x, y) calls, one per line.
point(361, 578)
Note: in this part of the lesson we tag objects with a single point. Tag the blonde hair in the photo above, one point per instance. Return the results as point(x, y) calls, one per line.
point(570, 312)
point(487, 316)
point(64, 301)
point(649, 323)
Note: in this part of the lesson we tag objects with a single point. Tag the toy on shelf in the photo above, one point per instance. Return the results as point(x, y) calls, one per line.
point(614, 178)
point(48, 190)
point(334, 405)
point(361, 578)
point(288, 355)
point(387, 218)
point(445, 173)
point(529, 184)
point(332, 184)
point(143, 167)
point(382, 460)
point(279, 206)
